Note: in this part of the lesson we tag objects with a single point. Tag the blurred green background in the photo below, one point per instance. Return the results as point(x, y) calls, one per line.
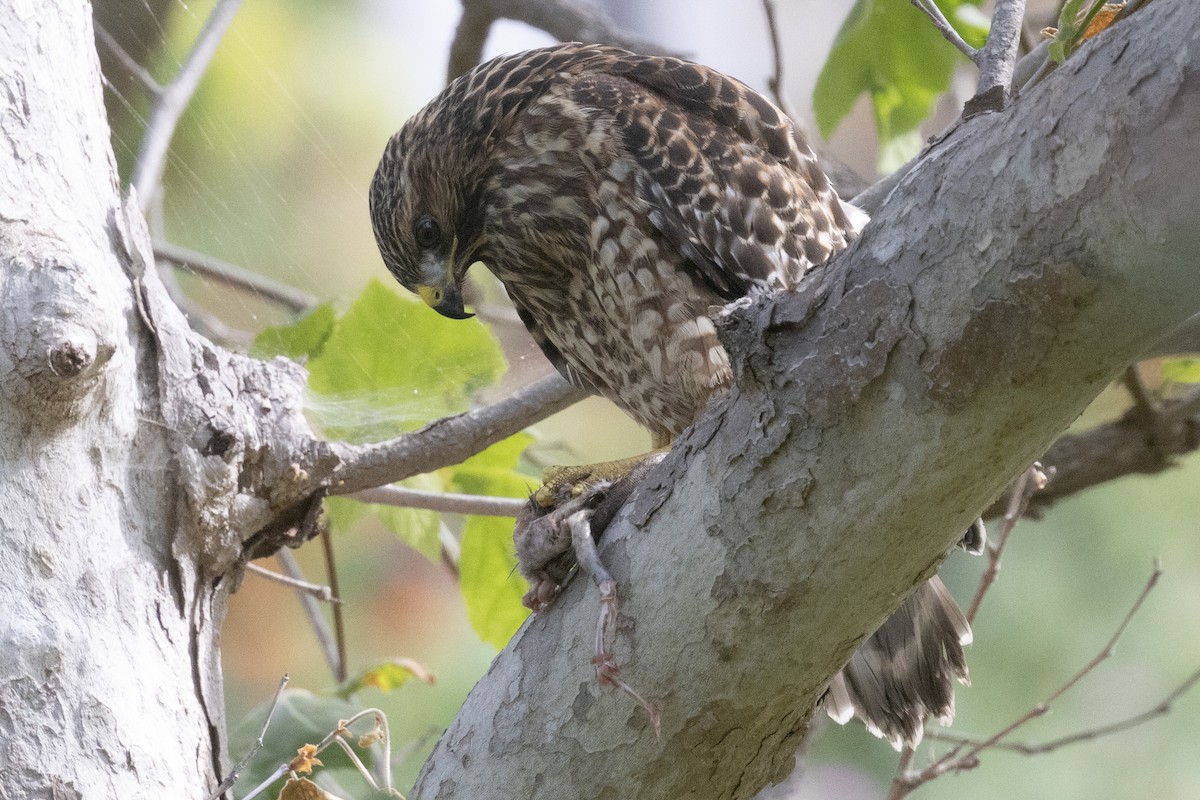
point(269, 170)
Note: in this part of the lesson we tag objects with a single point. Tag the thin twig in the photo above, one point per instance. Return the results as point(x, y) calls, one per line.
point(232, 777)
point(446, 502)
point(447, 441)
point(173, 99)
point(1164, 707)
point(316, 590)
point(1032, 480)
point(931, 10)
point(127, 61)
point(312, 609)
point(958, 759)
point(339, 620)
point(775, 82)
point(237, 277)
point(451, 549)
point(329, 739)
point(1142, 399)
point(999, 54)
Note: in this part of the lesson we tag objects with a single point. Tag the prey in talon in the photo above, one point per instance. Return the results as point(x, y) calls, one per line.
point(554, 539)
point(620, 199)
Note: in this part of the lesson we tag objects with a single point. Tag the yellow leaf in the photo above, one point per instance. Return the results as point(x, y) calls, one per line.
point(1104, 17)
point(305, 760)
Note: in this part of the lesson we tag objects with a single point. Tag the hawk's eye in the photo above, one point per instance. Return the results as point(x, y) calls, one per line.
point(426, 232)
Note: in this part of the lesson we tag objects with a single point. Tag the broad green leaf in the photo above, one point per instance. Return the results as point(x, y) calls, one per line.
point(891, 51)
point(387, 676)
point(1181, 370)
point(386, 343)
point(491, 586)
point(299, 341)
point(389, 364)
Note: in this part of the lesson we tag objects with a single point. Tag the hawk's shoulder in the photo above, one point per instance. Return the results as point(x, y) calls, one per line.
point(726, 177)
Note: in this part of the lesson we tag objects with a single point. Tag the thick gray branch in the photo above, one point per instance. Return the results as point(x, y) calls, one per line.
point(1013, 273)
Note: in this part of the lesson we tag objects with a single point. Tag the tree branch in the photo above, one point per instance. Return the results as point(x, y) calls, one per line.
point(999, 53)
point(447, 441)
point(237, 277)
point(170, 103)
point(931, 10)
point(963, 758)
point(1164, 707)
point(565, 20)
point(445, 502)
point(876, 410)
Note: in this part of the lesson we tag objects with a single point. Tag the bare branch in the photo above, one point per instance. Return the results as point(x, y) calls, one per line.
point(1142, 400)
point(446, 502)
point(1164, 707)
point(775, 82)
point(958, 759)
point(563, 19)
point(237, 277)
point(450, 440)
point(232, 777)
point(173, 99)
point(339, 620)
point(997, 58)
point(316, 590)
point(931, 10)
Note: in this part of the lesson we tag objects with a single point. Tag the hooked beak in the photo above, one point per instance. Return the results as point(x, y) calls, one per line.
point(446, 300)
point(445, 297)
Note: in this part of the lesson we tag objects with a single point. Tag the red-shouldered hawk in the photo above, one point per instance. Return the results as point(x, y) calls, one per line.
point(621, 199)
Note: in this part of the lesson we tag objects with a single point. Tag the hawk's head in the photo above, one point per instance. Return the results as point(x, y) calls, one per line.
point(429, 201)
point(427, 221)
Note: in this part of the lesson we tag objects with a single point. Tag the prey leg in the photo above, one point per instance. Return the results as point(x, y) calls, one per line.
point(588, 558)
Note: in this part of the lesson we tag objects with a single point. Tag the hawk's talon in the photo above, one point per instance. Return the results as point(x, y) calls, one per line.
point(561, 482)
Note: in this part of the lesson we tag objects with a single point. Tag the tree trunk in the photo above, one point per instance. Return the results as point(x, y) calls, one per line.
point(109, 671)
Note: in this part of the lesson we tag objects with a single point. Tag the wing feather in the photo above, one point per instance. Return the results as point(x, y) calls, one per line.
point(727, 179)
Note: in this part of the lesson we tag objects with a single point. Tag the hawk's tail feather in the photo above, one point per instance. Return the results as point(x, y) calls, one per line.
point(905, 672)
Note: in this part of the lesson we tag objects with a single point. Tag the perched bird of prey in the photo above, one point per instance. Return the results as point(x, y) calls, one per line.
point(621, 200)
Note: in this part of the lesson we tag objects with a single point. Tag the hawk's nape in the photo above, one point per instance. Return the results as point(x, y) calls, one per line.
point(620, 199)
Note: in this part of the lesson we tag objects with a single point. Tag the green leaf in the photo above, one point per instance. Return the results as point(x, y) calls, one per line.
point(388, 343)
point(299, 341)
point(387, 676)
point(892, 52)
point(389, 364)
point(1181, 370)
point(491, 586)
